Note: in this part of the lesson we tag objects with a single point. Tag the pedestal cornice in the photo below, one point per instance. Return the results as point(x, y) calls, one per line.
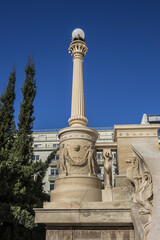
point(135, 130)
point(78, 132)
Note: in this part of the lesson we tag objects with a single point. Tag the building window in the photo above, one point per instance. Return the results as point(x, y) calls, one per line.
point(56, 157)
point(99, 156)
point(37, 145)
point(114, 155)
point(51, 186)
point(36, 157)
point(54, 171)
point(56, 145)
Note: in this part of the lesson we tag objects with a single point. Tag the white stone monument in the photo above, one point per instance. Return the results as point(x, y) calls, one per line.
point(76, 210)
point(78, 167)
point(79, 208)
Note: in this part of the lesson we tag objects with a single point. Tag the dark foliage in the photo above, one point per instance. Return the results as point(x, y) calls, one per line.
point(21, 178)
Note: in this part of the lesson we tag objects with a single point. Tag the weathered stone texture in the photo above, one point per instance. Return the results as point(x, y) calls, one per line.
point(90, 235)
point(127, 135)
point(59, 235)
point(151, 156)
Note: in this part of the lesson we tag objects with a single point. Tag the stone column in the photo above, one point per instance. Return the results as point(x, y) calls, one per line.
point(78, 166)
point(78, 50)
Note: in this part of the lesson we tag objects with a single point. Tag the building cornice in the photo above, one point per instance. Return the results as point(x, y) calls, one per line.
point(136, 130)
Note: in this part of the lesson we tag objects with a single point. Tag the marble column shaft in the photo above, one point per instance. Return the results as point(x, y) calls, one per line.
point(78, 50)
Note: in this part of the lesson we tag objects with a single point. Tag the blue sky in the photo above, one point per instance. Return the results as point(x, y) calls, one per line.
point(121, 68)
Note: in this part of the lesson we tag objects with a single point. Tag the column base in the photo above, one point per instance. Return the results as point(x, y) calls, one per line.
point(80, 188)
point(78, 121)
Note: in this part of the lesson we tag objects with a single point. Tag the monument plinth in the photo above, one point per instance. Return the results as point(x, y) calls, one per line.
point(78, 167)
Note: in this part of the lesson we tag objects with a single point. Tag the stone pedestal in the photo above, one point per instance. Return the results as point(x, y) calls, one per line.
point(86, 221)
point(107, 195)
point(91, 234)
point(75, 188)
point(77, 167)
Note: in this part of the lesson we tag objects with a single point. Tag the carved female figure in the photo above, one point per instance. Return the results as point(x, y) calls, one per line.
point(107, 158)
point(62, 159)
point(90, 155)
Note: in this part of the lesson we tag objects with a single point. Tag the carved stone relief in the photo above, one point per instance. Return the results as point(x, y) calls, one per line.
point(139, 175)
point(77, 156)
point(107, 158)
point(79, 135)
point(91, 157)
point(136, 134)
point(63, 154)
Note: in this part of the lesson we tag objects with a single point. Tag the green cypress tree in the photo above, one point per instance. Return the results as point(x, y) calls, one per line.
point(21, 179)
point(7, 124)
point(7, 136)
point(30, 171)
point(28, 189)
point(26, 118)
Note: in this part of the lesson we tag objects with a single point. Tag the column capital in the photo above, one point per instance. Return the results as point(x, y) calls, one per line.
point(78, 49)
